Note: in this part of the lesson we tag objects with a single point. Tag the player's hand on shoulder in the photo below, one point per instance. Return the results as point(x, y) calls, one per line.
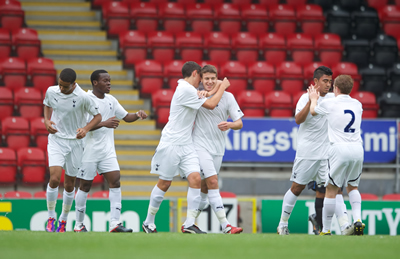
point(112, 123)
point(141, 114)
point(49, 127)
point(202, 94)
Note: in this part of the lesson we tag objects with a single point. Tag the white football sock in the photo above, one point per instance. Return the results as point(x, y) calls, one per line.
point(289, 200)
point(80, 207)
point(355, 201)
point(115, 206)
point(341, 212)
point(327, 213)
point(68, 198)
point(156, 197)
point(193, 202)
point(218, 207)
point(52, 194)
point(203, 201)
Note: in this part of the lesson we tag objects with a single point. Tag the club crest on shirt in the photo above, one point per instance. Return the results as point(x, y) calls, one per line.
point(73, 101)
point(157, 166)
point(110, 106)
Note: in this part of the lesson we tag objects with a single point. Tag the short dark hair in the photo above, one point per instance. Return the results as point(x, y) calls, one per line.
point(344, 83)
point(209, 69)
point(96, 74)
point(68, 75)
point(322, 70)
point(189, 67)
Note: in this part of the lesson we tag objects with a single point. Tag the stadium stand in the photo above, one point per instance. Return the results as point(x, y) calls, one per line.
point(237, 74)
point(149, 74)
point(273, 46)
point(11, 14)
point(283, 18)
point(391, 197)
point(5, 43)
point(17, 195)
point(373, 79)
point(32, 165)
point(228, 18)
point(172, 73)
point(39, 133)
point(172, 16)
point(189, 45)
point(245, 45)
point(262, 76)
point(6, 103)
point(13, 72)
point(15, 132)
point(251, 103)
point(25, 43)
point(218, 45)
point(301, 47)
point(256, 18)
point(201, 17)
point(369, 197)
point(278, 104)
point(41, 73)
point(144, 16)
point(116, 17)
point(100, 194)
point(29, 102)
point(8, 166)
point(311, 19)
point(43, 195)
point(162, 45)
point(290, 75)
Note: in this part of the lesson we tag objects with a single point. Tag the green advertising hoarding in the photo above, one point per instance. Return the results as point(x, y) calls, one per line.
point(31, 214)
point(380, 217)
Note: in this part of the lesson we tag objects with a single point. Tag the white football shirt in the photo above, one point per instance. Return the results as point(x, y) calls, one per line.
point(184, 106)
point(206, 133)
point(344, 118)
point(69, 110)
point(312, 137)
point(100, 142)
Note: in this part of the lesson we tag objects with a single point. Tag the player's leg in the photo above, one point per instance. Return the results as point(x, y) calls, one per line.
point(80, 204)
point(204, 197)
point(341, 215)
point(329, 208)
point(52, 195)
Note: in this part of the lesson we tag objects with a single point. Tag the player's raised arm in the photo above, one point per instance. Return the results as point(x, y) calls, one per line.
point(235, 125)
point(314, 95)
point(214, 100)
point(131, 117)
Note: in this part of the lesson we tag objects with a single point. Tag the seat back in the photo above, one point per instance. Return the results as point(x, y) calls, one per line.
point(16, 132)
point(329, 47)
point(273, 46)
point(32, 164)
point(5, 43)
point(39, 132)
point(237, 74)
point(219, 47)
point(41, 73)
point(26, 43)
point(348, 68)
point(201, 17)
point(311, 18)
point(301, 47)
point(190, 45)
point(17, 195)
point(133, 46)
point(279, 104)
point(283, 18)
point(173, 72)
point(173, 16)
point(116, 17)
point(8, 165)
point(162, 45)
point(150, 76)
point(29, 102)
point(145, 16)
point(256, 18)
point(262, 76)
point(228, 17)
point(245, 45)
point(291, 78)
point(6, 103)
point(13, 71)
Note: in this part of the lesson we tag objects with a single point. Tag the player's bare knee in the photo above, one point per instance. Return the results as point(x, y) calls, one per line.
point(85, 185)
point(114, 184)
point(297, 188)
point(212, 183)
point(54, 182)
point(163, 185)
point(194, 180)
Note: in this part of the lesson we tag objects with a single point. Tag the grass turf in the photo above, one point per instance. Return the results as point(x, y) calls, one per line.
point(41, 245)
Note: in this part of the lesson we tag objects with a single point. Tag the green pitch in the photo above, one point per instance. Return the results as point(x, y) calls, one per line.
point(41, 245)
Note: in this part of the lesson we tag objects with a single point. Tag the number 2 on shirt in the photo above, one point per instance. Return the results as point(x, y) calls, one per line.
point(347, 128)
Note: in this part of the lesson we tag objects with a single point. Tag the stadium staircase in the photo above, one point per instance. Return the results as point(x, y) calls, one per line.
point(71, 35)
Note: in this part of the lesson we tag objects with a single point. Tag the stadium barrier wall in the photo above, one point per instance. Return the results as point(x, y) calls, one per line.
point(31, 214)
point(380, 217)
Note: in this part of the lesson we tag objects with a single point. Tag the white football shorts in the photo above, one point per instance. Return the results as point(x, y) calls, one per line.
point(209, 164)
point(305, 171)
point(169, 161)
point(346, 161)
point(66, 153)
point(88, 169)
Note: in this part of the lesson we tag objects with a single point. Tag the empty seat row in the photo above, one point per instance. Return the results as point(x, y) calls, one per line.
point(22, 42)
point(19, 132)
point(11, 14)
point(26, 102)
point(219, 47)
point(202, 17)
point(37, 72)
point(43, 195)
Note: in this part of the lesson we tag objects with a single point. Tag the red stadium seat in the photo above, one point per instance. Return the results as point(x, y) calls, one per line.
point(6, 103)
point(213, 2)
point(279, 104)
point(133, 46)
point(8, 166)
point(251, 103)
point(39, 133)
point(377, 4)
point(274, 47)
point(100, 3)
point(43, 195)
point(296, 98)
point(369, 105)
point(145, 16)
point(219, 47)
point(311, 18)
point(150, 76)
point(162, 45)
point(29, 102)
point(201, 17)
point(186, 2)
point(13, 71)
point(308, 72)
point(268, 2)
point(296, 3)
point(98, 179)
point(17, 195)
point(32, 164)
point(190, 45)
point(283, 18)
point(228, 16)
point(162, 98)
point(256, 18)
point(246, 47)
point(5, 43)
point(236, 72)
point(347, 68)
point(16, 132)
point(389, 16)
point(391, 197)
point(291, 78)
point(26, 43)
point(173, 16)
point(162, 115)
point(262, 75)
point(173, 72)
point(329, 48)
point(101, 194)
point(301, 47)
point(369, 197)
point(116, 17)
point(41, 73)
point(11, 15)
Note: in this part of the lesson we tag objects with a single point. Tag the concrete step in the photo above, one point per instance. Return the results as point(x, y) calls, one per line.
point(92, 45)
point(125, 95)
point(64, 25)
point(115, 75)
point(61, 15)
point(81, 54)
point(136, 145)
point(117, 85)
point(135, 154)
point(137, 125)
point(88, 65)
point(51, 5)
point(135, 174)
point(69, 35)
point(135, 164)
point(136, 134)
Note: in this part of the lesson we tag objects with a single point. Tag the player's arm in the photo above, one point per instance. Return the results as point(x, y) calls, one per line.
point(314, 95)
point(81, 132)
point(215, 89)
point(47, 122)
point(131, 117)
point(235, 125)
point(212, 102)
point(301, 116)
